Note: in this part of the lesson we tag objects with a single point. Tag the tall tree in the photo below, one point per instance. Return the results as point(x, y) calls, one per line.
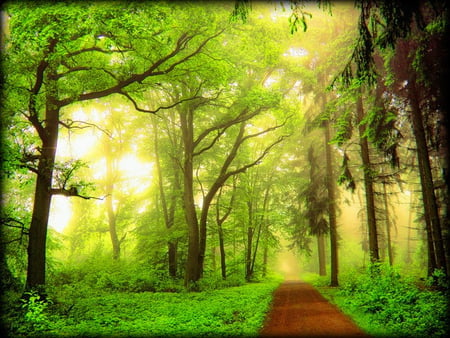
point(57, 56)
point(169, 195)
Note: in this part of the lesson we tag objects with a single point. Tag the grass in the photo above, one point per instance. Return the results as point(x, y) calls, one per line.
point(233, 312)
point(385, 304)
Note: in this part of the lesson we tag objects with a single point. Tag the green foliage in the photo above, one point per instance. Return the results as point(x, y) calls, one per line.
point(393, 304)
point(232, 312)
point(217, 282)
point(105, 275)
point(30, 316)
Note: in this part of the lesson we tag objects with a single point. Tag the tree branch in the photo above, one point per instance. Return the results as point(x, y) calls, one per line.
point(96, 49)
point(152, 70)
point(69, 124)
point(142, 110)
point(243, 116)
point(73, 192)
point(10, 222)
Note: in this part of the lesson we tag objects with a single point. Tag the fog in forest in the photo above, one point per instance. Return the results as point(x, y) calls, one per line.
point(176, 147)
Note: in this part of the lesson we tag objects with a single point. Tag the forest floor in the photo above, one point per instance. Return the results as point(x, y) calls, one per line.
point(299, 310)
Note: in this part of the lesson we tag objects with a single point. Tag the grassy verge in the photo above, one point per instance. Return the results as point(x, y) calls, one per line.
point(233, 312)
point(384, 304)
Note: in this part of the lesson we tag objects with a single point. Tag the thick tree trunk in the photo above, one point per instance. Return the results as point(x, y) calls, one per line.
point(38, 227)
point(321, 253)
point(426, 179)
point(331, 190)
point(173, 258)
point(368, 185)
point(192, 263)
point(42, 200)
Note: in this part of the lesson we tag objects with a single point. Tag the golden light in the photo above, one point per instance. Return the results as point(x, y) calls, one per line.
point(60, 213)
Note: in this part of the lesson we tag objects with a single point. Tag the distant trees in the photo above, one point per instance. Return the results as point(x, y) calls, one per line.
point(407, 29)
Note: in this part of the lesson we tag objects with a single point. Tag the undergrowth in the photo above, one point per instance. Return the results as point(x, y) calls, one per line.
point(384, 303)
point(79, 310)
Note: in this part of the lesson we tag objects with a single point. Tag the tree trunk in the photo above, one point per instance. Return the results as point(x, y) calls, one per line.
point(248, 258)
point(43, 196)
point(368, 185)
point(38, 227)
point(168, 211)
point(262, 224)
point(426, 180)
point(331, 190)
point(112, 226)
point(112, 217)
point(265, 260)
point(192, 263)
point(223, 263)
point(388, 226)
point(321, 252)
point(220, 220)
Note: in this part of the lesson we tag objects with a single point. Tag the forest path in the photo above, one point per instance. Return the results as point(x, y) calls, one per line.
point(299, 310)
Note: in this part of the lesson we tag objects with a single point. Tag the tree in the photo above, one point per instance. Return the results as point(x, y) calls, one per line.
point(194, 147)
point(220, 220)
point(169, 199)
point(57, 56)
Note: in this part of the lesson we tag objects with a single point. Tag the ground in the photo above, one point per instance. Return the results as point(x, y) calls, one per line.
point(299, 310)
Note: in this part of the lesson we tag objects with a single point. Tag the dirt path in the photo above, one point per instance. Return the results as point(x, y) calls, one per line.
point(299, 310)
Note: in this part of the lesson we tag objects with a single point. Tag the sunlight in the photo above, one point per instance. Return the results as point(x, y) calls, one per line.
point(76, 146)
point(130, 165)
point(60, 213)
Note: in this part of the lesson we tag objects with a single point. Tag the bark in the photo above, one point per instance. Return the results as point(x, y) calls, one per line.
point(265, 260)
point(321, 251)
point(332, 219)
point(220, 220)
point(223, 262)
point(248, 256)
point(368, 185)
point(192, 263)
point(262, 226)
point(41, 207)
point(434, 233)
point(43, 190)
point(388, 226)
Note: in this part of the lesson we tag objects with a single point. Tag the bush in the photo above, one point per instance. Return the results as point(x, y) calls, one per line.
point(395, 303)
point(216, 282)
point(29, 315)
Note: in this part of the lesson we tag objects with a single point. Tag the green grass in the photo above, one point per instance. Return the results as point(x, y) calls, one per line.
point(234, 311)
point(385, 304)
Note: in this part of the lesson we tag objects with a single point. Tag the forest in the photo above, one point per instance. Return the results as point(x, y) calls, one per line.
point(166, 165)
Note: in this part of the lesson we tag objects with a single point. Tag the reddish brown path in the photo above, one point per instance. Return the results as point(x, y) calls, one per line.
point(299, 310)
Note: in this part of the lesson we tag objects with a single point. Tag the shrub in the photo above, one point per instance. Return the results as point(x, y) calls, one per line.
point(396, 303)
